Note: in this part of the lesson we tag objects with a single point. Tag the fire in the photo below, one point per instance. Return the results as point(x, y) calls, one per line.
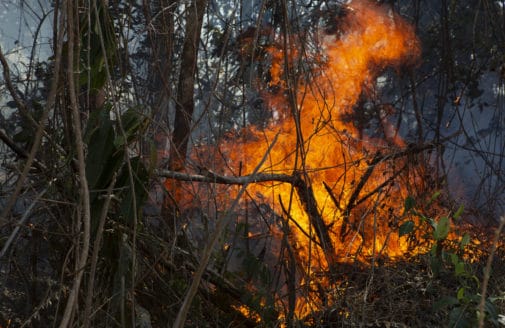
point(248, 313)
point(348, 194)
point(329, 149)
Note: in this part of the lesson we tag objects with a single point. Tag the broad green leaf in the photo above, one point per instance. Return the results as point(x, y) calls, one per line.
point(123, 274)
point(435, 264)
point(442, 229)
point(96, 119)
point(406, 228)
point(430, 221)
point(132, 121)
point(100, 152)
point(25, 135)
point(119, 141)
point(476, 280)
point(458, 318)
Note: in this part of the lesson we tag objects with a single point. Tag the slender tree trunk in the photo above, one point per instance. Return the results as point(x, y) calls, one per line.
point(185, 89)
point(160, 16)
point(446, 74)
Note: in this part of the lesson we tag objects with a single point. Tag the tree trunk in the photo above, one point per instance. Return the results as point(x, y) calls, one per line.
point(160, 15)
point(185, 90)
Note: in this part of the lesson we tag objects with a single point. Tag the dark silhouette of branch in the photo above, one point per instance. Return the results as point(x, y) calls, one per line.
point(209, 176)
point(412, 149)
point(290, 218)
point(12, 90)
point(20, 151)
point(307, 198)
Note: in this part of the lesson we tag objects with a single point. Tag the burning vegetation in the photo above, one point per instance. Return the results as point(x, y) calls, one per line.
point(292, 195)
point(341, 195)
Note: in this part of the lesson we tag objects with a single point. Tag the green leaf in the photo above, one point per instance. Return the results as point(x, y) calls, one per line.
point(25, 135)
point(100, 152)
point(132, 122)
point(119, 141)
point(434, 197)
point(442, 229)
point(465, 240)
point(406, 228)
point(454, 258)
point(461, 294)
point(432, 222)
point(459, 318)
point(459, 268)
point(435, 264)
point(458, 212)
point(410, 203)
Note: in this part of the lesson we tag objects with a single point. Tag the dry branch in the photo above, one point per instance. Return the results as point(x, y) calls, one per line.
point(12, 90)
point(20, 151)
point(304, 191)
point(211, 177)
point(81, 161)
point(307, 198)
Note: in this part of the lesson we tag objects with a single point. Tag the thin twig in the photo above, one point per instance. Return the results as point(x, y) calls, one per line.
point(20, 151)
point(207, 175)
point(291, 219)
point(40, 127)
point(22, 221)
point(20, 104)
point(410, 150)
point(487, 272)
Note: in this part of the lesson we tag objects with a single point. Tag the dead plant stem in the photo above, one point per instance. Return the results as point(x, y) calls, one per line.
point(487, 272)
point(94, 256)
point(84, 189)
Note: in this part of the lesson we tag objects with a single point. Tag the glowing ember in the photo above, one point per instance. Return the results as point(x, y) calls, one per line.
point(247, 313)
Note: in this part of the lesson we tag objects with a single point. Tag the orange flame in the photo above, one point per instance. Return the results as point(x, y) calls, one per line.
point(332, 156)
point(331, 151)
